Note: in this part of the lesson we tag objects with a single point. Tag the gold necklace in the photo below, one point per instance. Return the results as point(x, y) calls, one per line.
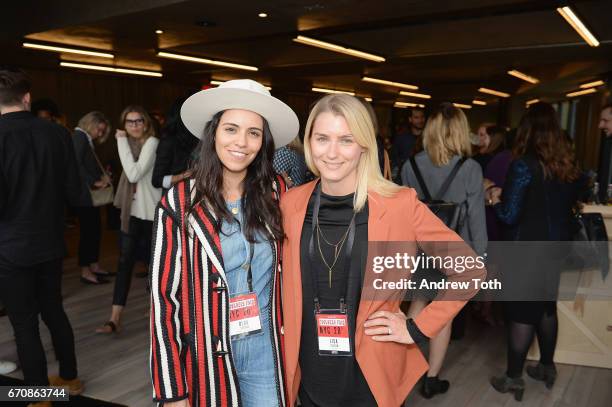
point(337, 248)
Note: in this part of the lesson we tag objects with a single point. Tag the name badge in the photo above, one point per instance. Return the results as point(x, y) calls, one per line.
point(333, 333)
point(244, 316)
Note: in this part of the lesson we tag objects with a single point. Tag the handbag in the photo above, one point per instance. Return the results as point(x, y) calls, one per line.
point(101, 196)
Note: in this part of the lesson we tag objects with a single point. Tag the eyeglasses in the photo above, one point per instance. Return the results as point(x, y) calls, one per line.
point(137, 122)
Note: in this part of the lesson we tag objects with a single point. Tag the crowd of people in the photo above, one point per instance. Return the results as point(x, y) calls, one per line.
point(255, 238)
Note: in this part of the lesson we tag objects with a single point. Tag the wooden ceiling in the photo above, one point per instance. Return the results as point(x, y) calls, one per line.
point(447, 48)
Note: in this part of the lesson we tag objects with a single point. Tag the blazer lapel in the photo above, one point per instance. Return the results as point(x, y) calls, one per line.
point(378, 230)
point(203, 229)
point(294, 277)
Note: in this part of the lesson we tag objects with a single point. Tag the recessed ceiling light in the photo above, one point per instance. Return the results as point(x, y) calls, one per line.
point(263, 15)
point(531, 102)
point(479, 102)
point(159, 31)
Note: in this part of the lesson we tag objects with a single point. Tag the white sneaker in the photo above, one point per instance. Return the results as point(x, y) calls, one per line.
point(7, 367)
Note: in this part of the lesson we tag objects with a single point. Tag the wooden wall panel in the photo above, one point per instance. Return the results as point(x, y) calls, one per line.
point(77, 93)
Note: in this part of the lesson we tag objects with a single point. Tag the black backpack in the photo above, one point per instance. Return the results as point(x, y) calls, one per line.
point(451, 213)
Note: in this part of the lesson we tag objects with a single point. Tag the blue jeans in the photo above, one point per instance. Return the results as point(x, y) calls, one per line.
point(254, 363)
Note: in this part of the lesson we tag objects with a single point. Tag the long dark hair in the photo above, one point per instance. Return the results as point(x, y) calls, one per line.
point(540, 134)
point(260, 207)
point(497, 135)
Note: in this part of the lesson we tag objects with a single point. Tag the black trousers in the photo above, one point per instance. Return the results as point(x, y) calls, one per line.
point(90, 235)
point(26, 293)
point(139, 235)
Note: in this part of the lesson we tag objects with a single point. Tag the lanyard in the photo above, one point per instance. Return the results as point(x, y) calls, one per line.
point(249, 272)
point(347, 253)
point(251, 250)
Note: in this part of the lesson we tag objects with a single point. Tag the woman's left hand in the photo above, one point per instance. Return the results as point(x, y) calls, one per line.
point(120, 133)
point(385, 326)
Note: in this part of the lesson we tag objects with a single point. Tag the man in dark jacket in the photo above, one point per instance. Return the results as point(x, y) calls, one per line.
point(407, 142)
point(38, 176)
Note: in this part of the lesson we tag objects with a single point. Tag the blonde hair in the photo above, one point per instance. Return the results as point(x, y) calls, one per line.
point(446, 134)
point(91, 120)
point(369, 177)
point(149, 128)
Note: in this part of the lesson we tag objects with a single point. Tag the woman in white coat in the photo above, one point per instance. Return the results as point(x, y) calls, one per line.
point(137, 199)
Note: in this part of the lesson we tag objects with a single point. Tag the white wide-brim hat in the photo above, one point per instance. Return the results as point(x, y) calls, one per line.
point(244, 94)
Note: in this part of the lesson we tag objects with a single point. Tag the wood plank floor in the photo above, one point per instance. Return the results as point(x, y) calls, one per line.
point(115, 368)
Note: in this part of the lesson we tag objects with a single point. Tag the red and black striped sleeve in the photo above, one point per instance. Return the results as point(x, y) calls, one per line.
point(167, 369)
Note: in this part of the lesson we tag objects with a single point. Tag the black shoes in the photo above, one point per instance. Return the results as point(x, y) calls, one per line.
point(505, 384)
point(432, 386)
point(543, 373)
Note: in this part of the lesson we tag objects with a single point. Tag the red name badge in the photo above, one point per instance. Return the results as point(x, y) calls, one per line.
point(244, 315)
point(333, 333)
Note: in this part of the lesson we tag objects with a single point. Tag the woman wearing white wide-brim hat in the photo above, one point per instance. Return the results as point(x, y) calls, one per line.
point(216, 325)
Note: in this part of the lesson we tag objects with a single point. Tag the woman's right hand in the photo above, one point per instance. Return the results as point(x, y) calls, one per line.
point(102, 182)
point(494, 195)
point(180, 403)
point(179, 177)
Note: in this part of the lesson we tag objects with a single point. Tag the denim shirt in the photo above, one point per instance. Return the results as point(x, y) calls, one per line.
point(252, 355)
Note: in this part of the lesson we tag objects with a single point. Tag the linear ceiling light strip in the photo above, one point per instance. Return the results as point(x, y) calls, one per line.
point(111, 69)
point(389, 83)
point(207, 61)
point(523, 76)
point(494, 92)
point(573, 20)
point(54, 48)
point(338, 48)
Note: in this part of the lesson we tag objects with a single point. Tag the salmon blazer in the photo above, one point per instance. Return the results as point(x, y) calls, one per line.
point(390, 369)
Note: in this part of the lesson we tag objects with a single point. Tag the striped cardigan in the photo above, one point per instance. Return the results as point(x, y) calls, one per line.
point(191, 355)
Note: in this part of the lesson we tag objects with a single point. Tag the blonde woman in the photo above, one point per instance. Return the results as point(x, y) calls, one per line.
point(92, 126)
point(446, 142)
point(328, 224)
point(137, 198)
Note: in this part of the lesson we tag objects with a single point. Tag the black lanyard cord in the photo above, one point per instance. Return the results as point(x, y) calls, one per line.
point(347, 252)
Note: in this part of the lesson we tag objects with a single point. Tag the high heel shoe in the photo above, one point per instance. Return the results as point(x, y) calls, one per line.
point(432, 386)
point(505, 384)
point(543, 373)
